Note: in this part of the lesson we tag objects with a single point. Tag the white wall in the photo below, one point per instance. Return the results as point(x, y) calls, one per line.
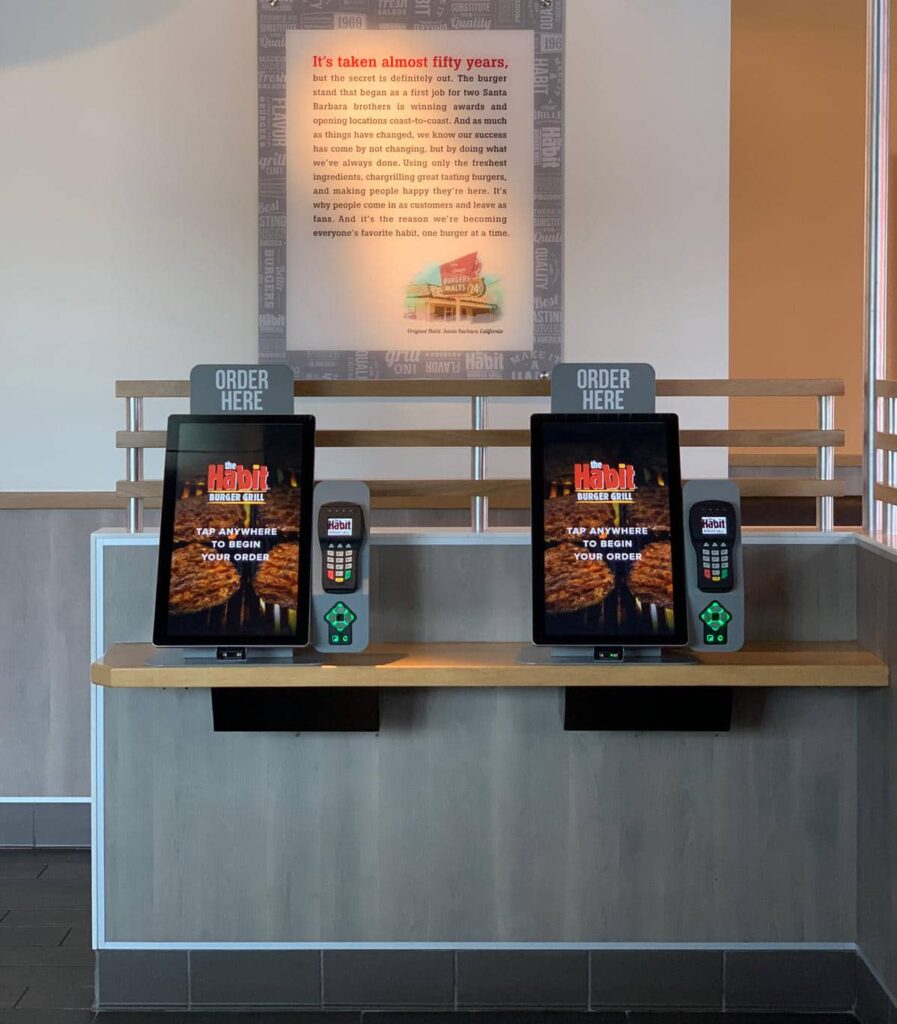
point(128, 217)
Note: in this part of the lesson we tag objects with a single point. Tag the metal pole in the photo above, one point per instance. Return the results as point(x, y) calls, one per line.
point(134, 465)
point(479, 505)
point(825, 465)
point(876, 267)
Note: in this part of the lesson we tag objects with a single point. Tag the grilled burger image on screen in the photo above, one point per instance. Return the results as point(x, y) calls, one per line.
point(650, 508)
point(572, 585)
point(198, 584)
point(198, 513)
point(276, 580)
point(564, 513)
point(281, 511)
point(651, 579)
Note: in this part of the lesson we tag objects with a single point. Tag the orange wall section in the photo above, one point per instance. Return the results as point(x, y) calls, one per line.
point(797, 203)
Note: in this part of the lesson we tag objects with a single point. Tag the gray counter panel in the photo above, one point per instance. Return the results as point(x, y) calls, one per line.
point(472, 816)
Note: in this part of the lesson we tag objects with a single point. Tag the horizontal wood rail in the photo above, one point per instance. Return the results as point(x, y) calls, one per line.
point(885, 493)
point(789, 460)
point(512, 493)
point(886, 389)
point(515, 438)
point(61, 500)
point(887, 442)
point(477, 492)
point(492, 388)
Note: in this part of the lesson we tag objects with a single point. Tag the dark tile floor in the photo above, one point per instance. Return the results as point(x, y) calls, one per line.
point(46, 965)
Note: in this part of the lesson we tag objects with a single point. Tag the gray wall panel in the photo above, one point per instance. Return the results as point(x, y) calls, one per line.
point(129, 593)
point(800, 591)
point(473, 816)
point(45, 642)
point(877, 772)
point(456, 592)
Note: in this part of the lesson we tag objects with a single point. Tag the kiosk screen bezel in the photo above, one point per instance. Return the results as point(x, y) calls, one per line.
point(541, 636)
point(162, 636)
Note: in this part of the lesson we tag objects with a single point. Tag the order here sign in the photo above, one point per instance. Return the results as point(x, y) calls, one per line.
point(241, 389)
point(603, 387)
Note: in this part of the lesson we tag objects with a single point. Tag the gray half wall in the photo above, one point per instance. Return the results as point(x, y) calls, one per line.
point(472, 815)
point(45, 645)
point(877, 772)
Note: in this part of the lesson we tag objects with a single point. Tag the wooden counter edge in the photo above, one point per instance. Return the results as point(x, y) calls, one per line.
point(835, 665)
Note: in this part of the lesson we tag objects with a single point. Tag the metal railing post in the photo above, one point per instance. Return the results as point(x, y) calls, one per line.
point(876, 245)
point(479, 504)
point(134, 464)
point(825, 465)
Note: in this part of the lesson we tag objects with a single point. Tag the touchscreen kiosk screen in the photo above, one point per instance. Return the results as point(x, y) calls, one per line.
point(607, 530)
point(234, 553)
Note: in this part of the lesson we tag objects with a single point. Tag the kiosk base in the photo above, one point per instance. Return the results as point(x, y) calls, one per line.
point(305, 709)
point(648, 708)
point(188, 657)
point(648, 655)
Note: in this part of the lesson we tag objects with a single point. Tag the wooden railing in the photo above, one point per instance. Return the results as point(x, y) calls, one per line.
point(478, 491)
point(885, 493)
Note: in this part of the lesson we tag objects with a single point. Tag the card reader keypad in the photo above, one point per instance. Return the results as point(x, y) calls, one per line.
point(715, 561)
point(339, 566)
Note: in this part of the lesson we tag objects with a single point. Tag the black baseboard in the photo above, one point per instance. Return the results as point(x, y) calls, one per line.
point(797, 980)
point(874, 1004)
point(45, 824)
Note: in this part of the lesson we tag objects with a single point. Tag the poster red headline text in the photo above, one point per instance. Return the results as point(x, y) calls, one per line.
point(441, 61)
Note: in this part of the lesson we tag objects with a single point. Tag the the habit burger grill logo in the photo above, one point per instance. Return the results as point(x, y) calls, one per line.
point(596, 481)
point(230, 481)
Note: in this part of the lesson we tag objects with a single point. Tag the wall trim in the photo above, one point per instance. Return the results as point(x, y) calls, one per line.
point(723, 947)
point(44, 799)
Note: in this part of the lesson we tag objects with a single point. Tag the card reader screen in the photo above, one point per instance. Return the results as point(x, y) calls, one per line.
point(339, 527)
point(714, 526)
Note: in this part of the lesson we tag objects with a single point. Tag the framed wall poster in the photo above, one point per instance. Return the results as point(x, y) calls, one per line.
point(411, 187)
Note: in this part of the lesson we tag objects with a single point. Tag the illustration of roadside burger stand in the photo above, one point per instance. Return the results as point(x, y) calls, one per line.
point(461, 294)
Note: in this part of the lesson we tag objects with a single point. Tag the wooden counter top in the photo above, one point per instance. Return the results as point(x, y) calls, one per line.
point(494, 664)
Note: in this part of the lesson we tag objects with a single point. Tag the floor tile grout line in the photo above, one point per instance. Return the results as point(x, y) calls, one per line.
point(725, 974)
point(21, 997)
point(588, 980)
point(64, 937)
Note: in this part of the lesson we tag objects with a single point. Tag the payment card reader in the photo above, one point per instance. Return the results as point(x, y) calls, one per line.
point(712, 519)
point(340, 532)
point(341, 561)
point(711, 525)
